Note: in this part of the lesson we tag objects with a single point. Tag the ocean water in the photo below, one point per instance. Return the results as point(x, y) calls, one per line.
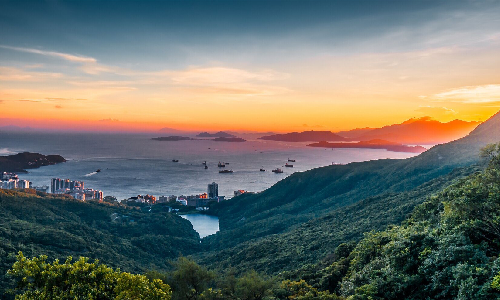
point(133, 164)
point(205, 225)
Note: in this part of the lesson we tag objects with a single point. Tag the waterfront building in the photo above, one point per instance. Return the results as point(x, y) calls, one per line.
point(23, 184)
point(8, 184)
point(213, 190)
point(78, 195)
point(91, 194)
point(166, 199)
point(57, 184)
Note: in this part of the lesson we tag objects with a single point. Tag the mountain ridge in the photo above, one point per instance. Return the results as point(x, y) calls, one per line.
point(302, 197)
point(415, 131)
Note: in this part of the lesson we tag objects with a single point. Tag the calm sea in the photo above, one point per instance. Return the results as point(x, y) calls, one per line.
point(133, 164)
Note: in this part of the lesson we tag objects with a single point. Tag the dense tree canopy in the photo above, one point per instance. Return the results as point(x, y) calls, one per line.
point(37, 279)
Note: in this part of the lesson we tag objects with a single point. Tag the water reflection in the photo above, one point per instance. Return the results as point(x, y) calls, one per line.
point(203, 224)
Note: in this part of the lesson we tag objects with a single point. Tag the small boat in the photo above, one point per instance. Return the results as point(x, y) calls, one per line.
point(225, 171)
point(98, 170)
point(288, 165)
point(206, 167)
point(262, 170)
point(175, 160)
point(204, 163)
point(221, 165)
point(277, 170)
point(291, 160)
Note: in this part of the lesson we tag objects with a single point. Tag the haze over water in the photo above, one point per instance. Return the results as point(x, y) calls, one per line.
point(133, 164)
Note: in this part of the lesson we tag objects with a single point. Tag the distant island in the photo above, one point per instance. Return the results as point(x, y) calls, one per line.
point(230, 139)
point(221, 134)
point(27, 160)
point(372, 144)
point(173, 138)
point(305, 136)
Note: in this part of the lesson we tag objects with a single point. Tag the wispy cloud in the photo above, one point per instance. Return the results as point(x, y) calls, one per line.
point(433, 110)
point(218, 75)
point(88, 64)
point(15, 74)
point(470, 94)
point(226, 81)
point(65, 56)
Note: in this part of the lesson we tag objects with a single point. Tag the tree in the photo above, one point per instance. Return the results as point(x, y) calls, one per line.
point(189, 280)
point(110, 199)
point(252, 286)
point(37, 279)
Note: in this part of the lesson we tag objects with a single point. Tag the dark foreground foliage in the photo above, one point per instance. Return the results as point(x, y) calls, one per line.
point(58, 227)
point(37, 279)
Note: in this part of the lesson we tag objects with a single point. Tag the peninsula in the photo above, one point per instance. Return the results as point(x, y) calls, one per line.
point(173, 138)
point(27, 160)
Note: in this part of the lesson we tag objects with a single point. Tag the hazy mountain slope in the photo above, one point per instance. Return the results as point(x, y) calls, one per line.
point(303, 196)
point(305, 136)
point(415, 131)
point(58, 226)
point(316, 239)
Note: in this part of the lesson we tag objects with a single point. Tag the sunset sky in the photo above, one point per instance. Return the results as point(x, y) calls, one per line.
point(246, 65)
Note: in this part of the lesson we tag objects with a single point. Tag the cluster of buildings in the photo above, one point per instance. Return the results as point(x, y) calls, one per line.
point(74, 188)
point(201, 200)
point(10, 181)
point(77, 190)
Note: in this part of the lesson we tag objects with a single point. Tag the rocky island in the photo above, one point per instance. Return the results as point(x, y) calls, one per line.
point(26, 160)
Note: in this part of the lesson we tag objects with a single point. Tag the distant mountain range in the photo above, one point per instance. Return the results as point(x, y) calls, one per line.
point(305, 136)
point(414, 131)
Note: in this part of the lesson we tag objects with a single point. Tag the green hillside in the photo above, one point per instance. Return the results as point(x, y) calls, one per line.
point(448, 249)
point(58, 227)
point(314, 240)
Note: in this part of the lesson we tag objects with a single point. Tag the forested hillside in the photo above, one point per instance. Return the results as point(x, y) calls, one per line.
point(58, 227)
point(304, 196)
point(314, 240)
point(447, 249)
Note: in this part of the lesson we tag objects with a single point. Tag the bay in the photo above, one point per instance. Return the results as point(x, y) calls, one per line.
point(133, 164)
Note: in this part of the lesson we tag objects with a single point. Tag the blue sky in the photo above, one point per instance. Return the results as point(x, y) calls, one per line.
point(310, 53)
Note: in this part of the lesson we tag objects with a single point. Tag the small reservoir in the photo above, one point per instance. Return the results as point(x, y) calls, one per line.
point(203, 224)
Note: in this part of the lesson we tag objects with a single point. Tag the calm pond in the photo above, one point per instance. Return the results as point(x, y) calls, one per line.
point(203, 224)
